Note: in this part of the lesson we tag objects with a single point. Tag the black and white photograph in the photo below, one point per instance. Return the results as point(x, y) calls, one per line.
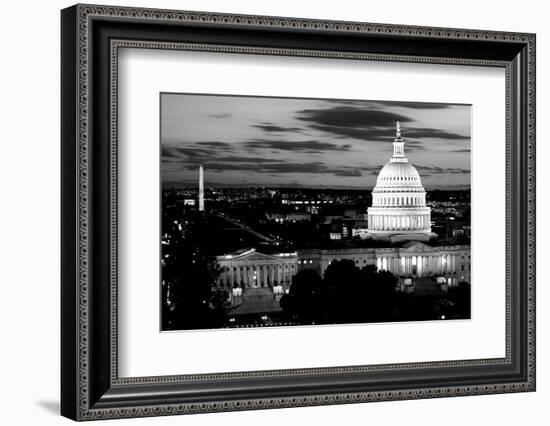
point(297, 211)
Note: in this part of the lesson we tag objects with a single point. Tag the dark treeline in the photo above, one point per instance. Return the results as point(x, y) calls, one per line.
point(348, 294)
point(345, 294)
point(189, 272)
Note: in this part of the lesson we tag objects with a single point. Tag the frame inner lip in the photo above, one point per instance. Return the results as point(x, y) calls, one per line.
point(115, 44)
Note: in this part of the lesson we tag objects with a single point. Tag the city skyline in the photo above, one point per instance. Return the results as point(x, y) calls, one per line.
point(295, 142)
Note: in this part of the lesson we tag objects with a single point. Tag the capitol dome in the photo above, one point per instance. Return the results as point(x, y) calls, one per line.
point(399, 210)
point(398, 174)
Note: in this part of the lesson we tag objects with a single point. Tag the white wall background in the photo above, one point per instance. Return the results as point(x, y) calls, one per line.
point(29, 212)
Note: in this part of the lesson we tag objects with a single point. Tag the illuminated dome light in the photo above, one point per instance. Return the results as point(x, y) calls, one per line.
point(399, 210)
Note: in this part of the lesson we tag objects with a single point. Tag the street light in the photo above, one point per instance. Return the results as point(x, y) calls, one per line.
point(278, 289)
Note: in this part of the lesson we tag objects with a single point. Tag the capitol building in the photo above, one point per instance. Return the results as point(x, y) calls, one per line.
point(399, 211)
point(398, 215)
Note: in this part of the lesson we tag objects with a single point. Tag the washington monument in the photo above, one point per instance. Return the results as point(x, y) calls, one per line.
point(201, 189)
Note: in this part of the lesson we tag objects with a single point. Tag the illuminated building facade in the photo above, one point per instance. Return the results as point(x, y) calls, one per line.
point(399, 211)
point(251, 269)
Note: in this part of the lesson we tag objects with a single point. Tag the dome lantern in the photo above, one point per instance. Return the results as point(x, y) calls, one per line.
point(398, 145)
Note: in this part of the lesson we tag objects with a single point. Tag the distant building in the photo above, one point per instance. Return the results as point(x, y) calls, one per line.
point(252, 269)
point(351, 213)
point(298, 217)
point(399, 210)
point(276, 216)
point(305, 202)
point(289, 217)
point(360, 232)
point(329, 219)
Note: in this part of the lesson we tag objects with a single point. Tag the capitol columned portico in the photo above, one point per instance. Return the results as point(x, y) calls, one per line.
point(399, 210)
point(251, 269)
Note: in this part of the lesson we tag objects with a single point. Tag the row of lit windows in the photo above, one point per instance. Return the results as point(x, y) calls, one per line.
point(253, 268)
point(304, 262)
point(386, 201)
point(227, 283)
point(399, 178)
point(356, 261)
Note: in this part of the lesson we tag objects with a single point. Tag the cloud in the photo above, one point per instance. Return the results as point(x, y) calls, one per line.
point(310, 168)
point(372, 125)
point(167, 153)
point(415, 105)
point(172, 147)
point(308, 146)
point(349, 172)
point(347, 121)
point(430, 170)
point(427, 133)
point(222, 115)
point(411, 135)
point(272, 128)
point(213, 159)
point(364, 133)
point(192, 156)
point(194, 151)
point(414, 145)
point(215, 144)
point(235, 159)
point(191, 152)
point(347, 116)
point(266, 166)
point(393, 104)
point(216, 149)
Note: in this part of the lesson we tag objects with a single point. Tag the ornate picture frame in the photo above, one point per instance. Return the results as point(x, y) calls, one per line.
point(91, 37)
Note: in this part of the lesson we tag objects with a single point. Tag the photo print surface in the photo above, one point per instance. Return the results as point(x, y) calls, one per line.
point(293, 211)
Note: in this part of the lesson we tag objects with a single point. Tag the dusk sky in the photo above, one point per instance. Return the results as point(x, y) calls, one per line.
point(262, 141)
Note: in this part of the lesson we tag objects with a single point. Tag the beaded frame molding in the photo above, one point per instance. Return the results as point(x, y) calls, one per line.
point(91, 38)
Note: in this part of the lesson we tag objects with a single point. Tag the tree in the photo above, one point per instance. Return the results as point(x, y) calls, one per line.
point(461, 296)
point(189, 272)
point(345, 294)
point(306, 297)
point(381, 293)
